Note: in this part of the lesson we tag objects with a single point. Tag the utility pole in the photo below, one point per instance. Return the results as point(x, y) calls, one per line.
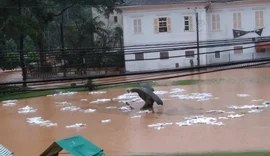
point(197, 34)
point(198, 38)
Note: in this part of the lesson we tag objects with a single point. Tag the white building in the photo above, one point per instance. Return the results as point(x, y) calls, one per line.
point(174, 21)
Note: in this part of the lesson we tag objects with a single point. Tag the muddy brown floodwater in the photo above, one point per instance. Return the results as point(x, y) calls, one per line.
point(127, 135)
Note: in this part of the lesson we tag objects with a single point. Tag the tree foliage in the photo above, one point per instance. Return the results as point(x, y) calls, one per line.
point(34, 27)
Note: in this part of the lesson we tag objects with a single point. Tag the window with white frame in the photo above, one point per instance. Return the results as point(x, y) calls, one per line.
point(215, 22)
point(137, 26)
point(237, 20)
point(259, 19)
point(162, 24)
point(188, 23)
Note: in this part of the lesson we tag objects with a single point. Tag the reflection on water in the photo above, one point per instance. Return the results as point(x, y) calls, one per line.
point(220, 116)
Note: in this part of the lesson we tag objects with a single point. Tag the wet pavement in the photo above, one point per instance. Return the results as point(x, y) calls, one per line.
point(118, 130)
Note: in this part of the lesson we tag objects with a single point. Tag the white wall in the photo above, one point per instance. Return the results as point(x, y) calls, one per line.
point(179, 35)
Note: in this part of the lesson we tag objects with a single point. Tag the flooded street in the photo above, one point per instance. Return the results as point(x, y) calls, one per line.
point(132, 131)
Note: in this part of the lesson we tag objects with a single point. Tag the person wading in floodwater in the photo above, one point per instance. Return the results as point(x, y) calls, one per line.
point(147, 95)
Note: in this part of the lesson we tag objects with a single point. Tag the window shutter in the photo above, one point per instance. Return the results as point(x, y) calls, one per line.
point(239, 20)
point(257, 18)
point(169, 25)
point(156, 25)
point(190, 23)
point(261, 19)
point(218, 21)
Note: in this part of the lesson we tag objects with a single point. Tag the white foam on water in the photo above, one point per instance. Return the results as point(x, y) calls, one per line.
point(125, 109)
point(236, 116)
point(63, 93)
point(194, 96)
point(128, 97)
point(223, 118)
point(257, 100)
point(106, 121)
point(247, 107)
point(255, 111)
point(215, 111)
point(98, 92)
point(77, 125)
point(9, 101)
point(70, 108)
point(89, 110)
point(176, 90)
point(160, 92)
point(111, 107)
point(101, 100)
point(41, 122)
point(63, 103)
point(83, 99)
point(9, 104)
point(242, 95)
point(266, 103)
point(26, 110)
point(144, 111)
point(165, 99)
point(136, 116)
point(160, 126)
point(192, 120)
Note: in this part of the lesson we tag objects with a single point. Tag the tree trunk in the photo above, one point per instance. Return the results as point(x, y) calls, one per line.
point(24, 74)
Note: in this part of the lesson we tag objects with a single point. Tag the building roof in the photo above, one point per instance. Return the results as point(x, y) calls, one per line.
point(161, 2)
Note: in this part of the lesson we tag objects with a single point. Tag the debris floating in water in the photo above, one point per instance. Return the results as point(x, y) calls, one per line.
point(160, 92)
point(216, 111)
point(98, 92)
point(242, 95)
point(26, 110)
point(136, 116)
point(70, 108)
point(255, 111)
point(128, 97)
point(257, 100)
point(236, 116)
point(125, 108)
point(176, 90)
point(83, 99)
point(89, 110)
point(9, 104)
point(195, 96)
point(9, 101)
point(64, 93)
point(106, 121)
point(223, 118)
point(63, 103)
point(77, 125)
point(160, 126)
point(111, 107)
point(41, 122)
point(192, 120)
point(101, 100)
point(144, 111)
point(247, 107)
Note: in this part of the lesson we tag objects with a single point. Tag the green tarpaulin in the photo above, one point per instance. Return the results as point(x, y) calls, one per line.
point(76, 145)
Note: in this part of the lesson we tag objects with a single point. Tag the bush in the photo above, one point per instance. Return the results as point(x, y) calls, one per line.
point(90, 85)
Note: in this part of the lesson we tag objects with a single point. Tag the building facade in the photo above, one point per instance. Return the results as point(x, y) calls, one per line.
point(172, 23)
